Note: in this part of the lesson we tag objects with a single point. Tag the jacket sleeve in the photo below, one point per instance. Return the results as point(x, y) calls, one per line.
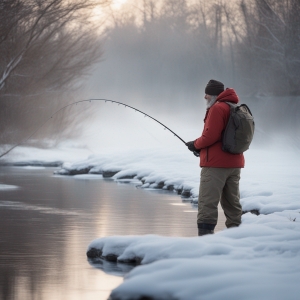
point(213, 128)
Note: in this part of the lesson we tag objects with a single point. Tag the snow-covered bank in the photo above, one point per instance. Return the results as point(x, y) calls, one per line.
point(258, 260)
point(42, 157)
point(270, 181)
point(7, 187)
point(155, 168)
point(257, 237)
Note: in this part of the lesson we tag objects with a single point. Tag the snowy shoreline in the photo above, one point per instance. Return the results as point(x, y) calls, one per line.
point(267, 184)
point(145, 179)
point(261, 255)
point(258, 260)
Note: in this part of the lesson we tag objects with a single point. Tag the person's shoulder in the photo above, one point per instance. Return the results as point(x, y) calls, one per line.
point(222, 104)
point(221, 107)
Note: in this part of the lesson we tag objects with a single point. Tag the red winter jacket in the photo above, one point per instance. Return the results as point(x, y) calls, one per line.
point(210, 142)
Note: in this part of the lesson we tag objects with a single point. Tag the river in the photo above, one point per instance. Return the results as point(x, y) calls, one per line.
point(47, 222)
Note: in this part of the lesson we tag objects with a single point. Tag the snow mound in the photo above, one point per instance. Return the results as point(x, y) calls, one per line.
point(267, 185)
point(258, 260)
point(7, 187)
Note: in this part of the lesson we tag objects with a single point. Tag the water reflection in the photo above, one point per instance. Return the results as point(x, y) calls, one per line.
point(111, 268)
point(47, 223)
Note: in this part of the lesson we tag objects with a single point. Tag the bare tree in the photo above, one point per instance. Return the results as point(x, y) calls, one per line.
point(271, 45)
point(38, 22)
point(45, 47)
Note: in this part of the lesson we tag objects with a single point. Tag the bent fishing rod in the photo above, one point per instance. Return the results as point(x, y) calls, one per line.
point(90, 100)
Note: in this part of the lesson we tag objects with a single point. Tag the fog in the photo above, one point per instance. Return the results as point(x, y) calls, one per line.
point(162, 65)
point(156, 56)
point(45, 47)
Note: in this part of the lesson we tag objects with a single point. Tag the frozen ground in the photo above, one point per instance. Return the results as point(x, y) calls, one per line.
point(7, 187)
point(37, 157)
point(270, 180)
point(258, 260)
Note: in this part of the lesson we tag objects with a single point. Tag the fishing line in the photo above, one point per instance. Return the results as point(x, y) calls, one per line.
point(90, 100)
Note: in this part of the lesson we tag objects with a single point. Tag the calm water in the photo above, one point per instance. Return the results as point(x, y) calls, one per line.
point(47, 223)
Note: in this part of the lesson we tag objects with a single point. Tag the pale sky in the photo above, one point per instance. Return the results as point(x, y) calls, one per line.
point(118, 3)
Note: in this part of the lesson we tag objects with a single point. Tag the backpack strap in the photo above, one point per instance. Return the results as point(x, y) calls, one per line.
point(232, 105)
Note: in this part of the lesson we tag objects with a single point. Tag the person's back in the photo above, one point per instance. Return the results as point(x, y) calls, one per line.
point(210, 142)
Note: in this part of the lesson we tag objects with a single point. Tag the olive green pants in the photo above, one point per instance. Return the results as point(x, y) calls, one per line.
point(219, 184)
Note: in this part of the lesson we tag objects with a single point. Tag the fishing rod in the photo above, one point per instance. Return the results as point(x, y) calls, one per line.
point(90, 100)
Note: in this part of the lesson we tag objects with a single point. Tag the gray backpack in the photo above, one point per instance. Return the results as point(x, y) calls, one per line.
point(239, 130)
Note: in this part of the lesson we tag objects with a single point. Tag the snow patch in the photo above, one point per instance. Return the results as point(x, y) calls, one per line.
point(260, 257)
point(266, 184)
point(7, 187)
point(33, 168)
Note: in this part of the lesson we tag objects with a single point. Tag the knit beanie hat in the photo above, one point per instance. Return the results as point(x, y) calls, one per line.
point(214, 88)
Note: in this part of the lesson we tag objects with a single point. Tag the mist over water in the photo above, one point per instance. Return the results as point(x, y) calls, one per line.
point(161, 66)
point(157, 56)
point(163, 72)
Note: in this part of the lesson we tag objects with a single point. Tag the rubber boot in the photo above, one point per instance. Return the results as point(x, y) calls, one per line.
point(205, 228)
point(202, 231)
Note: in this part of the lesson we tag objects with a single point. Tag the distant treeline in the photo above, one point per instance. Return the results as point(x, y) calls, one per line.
point(253, 44)
point(160, 52)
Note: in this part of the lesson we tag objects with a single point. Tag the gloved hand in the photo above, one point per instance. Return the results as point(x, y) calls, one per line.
point(191, 146)
point(197, 153)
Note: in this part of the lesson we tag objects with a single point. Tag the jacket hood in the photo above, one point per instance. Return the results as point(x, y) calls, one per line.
point(228, 95)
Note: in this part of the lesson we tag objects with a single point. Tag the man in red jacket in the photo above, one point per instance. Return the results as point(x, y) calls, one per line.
point(221, 170)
